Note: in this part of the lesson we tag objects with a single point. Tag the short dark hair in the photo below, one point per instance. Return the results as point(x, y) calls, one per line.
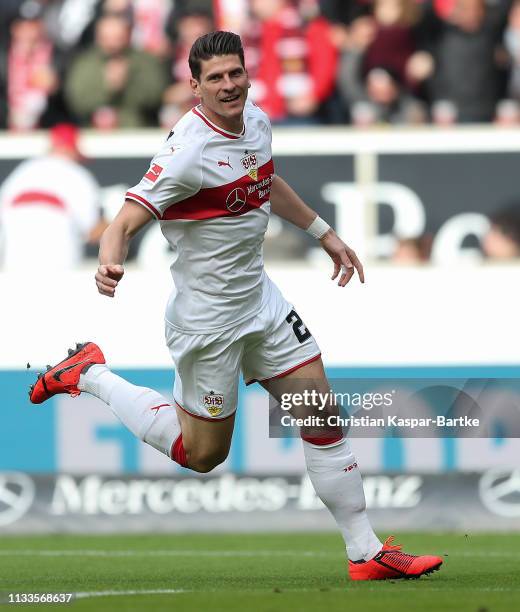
point(214, 43)
point(507, 220)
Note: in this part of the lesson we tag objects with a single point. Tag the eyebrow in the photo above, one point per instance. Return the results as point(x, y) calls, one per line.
point(213, 74)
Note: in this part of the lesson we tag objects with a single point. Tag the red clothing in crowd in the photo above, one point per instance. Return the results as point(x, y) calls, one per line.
point(27, 96)
point(392, 47)
point(295, 59)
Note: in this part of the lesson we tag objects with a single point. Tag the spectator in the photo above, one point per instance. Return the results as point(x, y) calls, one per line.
point(464, 54)
point(379, 94)
point(296, 65)
point(503, 238)
point(410, 251)
point(49, 207)
point(512, 45)
point(507, 113)
point(373, 74)
point(390, 101)
point(150, 18)
point(69, 23)
point(112, 85)
point(178, 97)
point(31, 74)
point(393, 41)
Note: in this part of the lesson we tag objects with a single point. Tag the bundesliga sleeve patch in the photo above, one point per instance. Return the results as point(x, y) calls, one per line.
point(154, 172)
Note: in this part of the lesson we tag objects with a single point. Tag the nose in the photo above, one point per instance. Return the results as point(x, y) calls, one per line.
point(228, 84)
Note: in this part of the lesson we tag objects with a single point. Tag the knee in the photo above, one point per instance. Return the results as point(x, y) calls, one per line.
point(205, 461)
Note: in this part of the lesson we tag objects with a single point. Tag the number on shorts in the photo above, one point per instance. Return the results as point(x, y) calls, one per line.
point(300, 331)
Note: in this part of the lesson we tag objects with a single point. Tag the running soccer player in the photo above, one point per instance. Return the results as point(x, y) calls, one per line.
point(212, 187)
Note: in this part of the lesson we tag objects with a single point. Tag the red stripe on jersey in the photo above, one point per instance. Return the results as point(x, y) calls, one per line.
point(141, 200)
point(38, 197)
point(215, 128)
point(232, 199)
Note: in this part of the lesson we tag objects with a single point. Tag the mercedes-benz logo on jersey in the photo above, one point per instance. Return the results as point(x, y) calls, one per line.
point(500, 492)
point(16, 496)
point(236, 200)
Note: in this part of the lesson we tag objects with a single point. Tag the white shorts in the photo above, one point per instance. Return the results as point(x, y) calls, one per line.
point(271, 344)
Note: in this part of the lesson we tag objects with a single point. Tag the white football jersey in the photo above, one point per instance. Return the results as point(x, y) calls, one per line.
point(210, 190)
point(48, 206)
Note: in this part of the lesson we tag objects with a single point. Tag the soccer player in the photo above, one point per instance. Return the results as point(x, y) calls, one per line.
point(212, 187)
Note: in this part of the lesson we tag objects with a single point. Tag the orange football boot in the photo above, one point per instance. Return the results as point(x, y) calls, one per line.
point(390, 562)
point(64, 376)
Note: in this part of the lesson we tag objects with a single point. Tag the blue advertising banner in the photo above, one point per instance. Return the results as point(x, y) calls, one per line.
point(81, 435)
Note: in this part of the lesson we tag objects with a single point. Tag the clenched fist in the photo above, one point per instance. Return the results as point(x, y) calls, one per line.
point(108, 277)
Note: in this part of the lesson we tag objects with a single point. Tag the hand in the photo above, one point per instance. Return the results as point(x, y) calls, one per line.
point(105, 118)
point(344, 258)
point(419, 66)
point(45, 78)
point(116, 73)
point(108, 277)
point(362, 33)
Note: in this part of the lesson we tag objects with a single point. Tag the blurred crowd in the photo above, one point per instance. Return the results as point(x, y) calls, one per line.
point(110, 64)
point(123, 63)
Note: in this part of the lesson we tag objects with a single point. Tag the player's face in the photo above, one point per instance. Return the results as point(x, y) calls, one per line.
point(222, 88)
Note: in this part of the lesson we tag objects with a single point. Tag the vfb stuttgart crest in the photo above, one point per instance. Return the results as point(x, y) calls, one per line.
point(214, 403)
point(250, 164)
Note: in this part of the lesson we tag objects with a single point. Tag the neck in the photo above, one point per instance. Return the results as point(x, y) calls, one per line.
point(232, 124)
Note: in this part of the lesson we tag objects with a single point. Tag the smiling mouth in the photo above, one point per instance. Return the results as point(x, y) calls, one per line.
point(230, 99)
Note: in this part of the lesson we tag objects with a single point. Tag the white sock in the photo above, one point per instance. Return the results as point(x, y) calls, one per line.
point(341, 490)
point(146, 413)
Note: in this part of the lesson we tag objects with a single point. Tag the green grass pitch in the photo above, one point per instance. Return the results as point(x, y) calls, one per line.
point(255, 572)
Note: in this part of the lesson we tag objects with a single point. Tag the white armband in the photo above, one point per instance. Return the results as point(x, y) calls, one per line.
point(318, 228)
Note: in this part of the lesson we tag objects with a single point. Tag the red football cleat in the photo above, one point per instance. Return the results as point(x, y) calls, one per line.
point(64, 376)
point(390, 562)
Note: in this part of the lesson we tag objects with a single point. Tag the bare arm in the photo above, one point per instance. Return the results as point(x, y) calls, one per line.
point(114, 244)
point(288, 205)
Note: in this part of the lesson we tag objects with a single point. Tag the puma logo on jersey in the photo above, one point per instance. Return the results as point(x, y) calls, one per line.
point(154, 172)
point(223, 163)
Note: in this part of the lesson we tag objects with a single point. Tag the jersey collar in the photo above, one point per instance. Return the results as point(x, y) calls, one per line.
point(197, 110)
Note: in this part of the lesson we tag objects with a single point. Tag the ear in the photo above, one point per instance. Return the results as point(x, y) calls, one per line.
point(195, 87)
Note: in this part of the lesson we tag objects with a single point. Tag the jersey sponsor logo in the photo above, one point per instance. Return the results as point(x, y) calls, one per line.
point(250, 164)
point(154, 172)
point(225, 163)
point(236, 200)
point(213, 403)
point(261, 188)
